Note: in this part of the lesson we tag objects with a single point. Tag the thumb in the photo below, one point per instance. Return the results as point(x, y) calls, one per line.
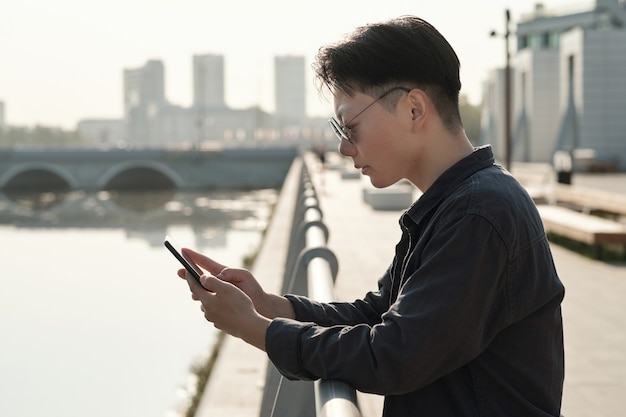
point(211, 283)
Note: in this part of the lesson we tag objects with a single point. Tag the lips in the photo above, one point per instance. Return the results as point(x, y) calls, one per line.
point(363, 168)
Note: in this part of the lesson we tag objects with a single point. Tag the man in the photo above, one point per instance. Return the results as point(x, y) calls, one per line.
point(466, 321)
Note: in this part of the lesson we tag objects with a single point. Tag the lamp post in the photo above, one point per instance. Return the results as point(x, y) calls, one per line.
point(507, 91)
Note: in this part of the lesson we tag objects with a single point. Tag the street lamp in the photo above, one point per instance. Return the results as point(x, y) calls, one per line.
point(507, 91)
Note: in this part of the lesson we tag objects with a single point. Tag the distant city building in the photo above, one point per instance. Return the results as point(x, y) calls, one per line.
point(151, 121)
point(144, 103)
point(290, 88)
point(208, 97)
point(208, 81)
point(144, 86)
point(569, 87)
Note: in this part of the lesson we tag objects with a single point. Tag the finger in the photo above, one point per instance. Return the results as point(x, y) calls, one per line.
point(225, 274)
point(211, 283)
point(204, 261)
point(195, 286)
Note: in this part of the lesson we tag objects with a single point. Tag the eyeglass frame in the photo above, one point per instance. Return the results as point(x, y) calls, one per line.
point(340, 129)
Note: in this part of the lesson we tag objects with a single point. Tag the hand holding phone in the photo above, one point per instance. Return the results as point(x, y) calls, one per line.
point(189, 266)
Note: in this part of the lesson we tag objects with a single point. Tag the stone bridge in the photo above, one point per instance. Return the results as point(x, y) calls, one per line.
point(144, 169)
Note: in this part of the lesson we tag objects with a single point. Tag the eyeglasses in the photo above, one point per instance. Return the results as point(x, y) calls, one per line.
point(342, 131)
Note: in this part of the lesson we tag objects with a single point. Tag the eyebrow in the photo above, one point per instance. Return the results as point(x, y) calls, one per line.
point(340, 115)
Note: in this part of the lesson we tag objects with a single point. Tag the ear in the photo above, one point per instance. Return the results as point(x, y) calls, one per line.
point(419, 105)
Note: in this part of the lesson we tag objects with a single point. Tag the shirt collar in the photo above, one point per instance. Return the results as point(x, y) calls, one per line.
point(481, 158)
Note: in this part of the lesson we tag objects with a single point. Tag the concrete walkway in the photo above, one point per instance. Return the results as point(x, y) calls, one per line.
point(364, 239)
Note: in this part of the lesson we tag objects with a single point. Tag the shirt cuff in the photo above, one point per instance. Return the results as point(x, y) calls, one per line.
point(283, 346)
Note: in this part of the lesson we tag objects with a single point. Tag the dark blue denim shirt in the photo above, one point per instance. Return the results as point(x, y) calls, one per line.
point(467, 319)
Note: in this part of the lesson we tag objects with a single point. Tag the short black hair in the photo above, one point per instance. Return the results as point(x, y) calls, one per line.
point(406, 51)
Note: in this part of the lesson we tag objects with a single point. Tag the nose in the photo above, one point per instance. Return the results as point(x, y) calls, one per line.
point(346, 148)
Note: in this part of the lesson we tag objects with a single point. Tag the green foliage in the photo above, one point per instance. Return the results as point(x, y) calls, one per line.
point(470, 115)
point(202, 371)
point(608, 253)
point(39, 137)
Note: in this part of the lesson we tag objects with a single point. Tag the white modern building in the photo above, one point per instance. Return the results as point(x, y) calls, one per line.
point(144, 103)
point(208, 97)
point(150, 120)
point(568, 82)
point(289, 72)
point(208, 81)
point(144, 86)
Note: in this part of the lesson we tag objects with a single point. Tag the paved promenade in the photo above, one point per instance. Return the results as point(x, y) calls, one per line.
point(364, 239)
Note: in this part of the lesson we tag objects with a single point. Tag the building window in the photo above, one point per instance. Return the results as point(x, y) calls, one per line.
point(522, 42)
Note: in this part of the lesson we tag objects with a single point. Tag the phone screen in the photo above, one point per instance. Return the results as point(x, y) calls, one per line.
point(169, 244)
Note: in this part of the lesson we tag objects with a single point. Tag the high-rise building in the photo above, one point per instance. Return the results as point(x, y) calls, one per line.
point(144, 101)
point(208, 97)
point(568, 90)
point(290, 87)
point(208, 82)
point(144, 86)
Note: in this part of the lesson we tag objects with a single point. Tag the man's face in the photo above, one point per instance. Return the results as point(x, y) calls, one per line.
point(378, 137)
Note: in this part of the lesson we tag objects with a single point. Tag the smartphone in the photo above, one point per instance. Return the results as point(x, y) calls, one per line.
point(193, 270)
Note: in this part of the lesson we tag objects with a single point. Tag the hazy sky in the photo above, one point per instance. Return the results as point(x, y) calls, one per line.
point(62, 61)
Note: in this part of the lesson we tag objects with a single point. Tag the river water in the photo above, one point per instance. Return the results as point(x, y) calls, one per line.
point(93, 319)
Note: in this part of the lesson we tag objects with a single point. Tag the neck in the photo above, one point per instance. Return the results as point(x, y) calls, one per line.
point(444, 152)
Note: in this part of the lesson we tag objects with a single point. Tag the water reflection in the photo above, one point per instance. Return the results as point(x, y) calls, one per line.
point(138, 210)
point(31, 200)
point(140, 201)
point(119, 318)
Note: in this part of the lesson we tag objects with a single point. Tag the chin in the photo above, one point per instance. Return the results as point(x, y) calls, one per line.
point(377, 183)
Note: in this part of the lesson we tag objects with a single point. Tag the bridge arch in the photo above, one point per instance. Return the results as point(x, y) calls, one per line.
point(140, 174)
point(38, 176)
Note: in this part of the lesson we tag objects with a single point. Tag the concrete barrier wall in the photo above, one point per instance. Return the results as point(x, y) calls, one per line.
point(236, 386)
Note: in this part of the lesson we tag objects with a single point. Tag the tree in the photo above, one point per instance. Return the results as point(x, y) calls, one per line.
point(471, 119)
point(39, 137)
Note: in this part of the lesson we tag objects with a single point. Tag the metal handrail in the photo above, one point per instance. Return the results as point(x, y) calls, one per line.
point(310, 269)
point(332, 398)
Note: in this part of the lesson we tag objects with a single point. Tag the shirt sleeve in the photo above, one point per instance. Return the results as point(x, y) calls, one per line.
point(452, 302)
point(367, 310)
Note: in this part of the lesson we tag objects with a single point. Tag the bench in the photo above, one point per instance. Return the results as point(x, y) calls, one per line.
point(589, 200)
point(536, 179)
point(398, 196)
point(592, 230)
